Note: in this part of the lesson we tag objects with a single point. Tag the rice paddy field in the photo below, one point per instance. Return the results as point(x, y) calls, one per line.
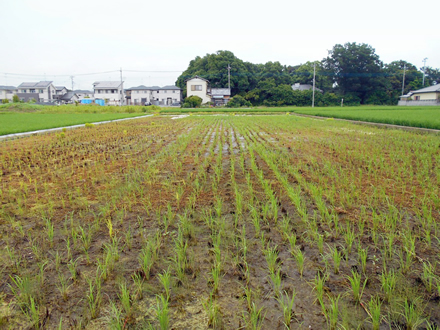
point(422, 116)
point(225, 222)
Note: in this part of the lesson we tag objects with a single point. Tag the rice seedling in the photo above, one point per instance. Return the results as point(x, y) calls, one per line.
point(388, 280)
point(286, 304)
point(337, 257)
point(375, 312)
point(411, 315)
point(162, 312)
point(165, 280)
point(63, 287)
point(125, 299)
point(357, 287)
point(212, 310)
point(299, 257)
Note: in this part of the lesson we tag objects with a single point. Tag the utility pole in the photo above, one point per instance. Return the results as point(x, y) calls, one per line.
point(71, 78)
point(403, 82)
point(229, 77)
point(314, 75)
point(122, 89)
point(424, 70)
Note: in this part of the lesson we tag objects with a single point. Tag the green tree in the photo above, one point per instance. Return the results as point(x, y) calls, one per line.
point(214, 67)
point(238, 101)
point(15, 98)
point(394, 79)
point(356, 69)
point(303, 74)
point(432, 76)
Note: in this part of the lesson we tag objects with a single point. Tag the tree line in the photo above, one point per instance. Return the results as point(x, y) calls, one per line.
point(352, 71)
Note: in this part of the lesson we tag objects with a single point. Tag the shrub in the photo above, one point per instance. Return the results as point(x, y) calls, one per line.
point(15, 98)
point(238, 101)
point(192, 101)
point(4, 101)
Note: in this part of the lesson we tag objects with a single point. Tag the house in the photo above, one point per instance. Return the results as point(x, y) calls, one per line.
point(61, 90)
point(84, 94)
point(425, 96)
point(109, 91)
point(163, 96)
point(169, 96)
point(220, 96)
point(69, 98)
point(198, 86)
point(304, 87)
point(43, 91)
point(7, 92)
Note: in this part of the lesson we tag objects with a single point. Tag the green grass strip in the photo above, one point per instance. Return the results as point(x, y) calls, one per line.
point(25, 122)
point(425, 117)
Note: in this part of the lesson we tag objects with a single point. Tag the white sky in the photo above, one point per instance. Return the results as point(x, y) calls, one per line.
point(54, 39)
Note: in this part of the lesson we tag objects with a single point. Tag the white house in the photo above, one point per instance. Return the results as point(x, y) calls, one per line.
point(43, 91)
point(199, 87)
point(7, 92)
point(425, 96)
point(109, 91)
point(169, 96)
point(163, 96)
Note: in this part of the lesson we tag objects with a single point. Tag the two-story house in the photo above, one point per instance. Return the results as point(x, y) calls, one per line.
point(163, 96)
point(198, 86)
point(109, 91)
point(43, 91)
point(7, 92)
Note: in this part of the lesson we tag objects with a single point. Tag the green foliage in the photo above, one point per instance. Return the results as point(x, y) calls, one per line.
point(192, 102)
point(15, 98)
point(4, 101)
point(356, 68)
point(238, 101)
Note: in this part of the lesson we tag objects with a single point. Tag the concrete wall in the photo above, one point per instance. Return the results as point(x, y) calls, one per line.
point(421, 102)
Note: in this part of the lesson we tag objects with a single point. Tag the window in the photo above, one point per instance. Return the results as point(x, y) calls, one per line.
point(174, 91)
point(113, 91)
point(32, 91)
point(41, 91)
point(196, 87)
point(157, 92)
point(23, 91)
point(417, 98)
point(164, 91)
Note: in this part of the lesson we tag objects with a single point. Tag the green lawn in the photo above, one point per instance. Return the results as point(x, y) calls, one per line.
point(426, 117)
point(26, 122)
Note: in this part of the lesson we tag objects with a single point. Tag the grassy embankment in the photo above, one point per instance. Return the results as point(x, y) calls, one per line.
point(426, 117)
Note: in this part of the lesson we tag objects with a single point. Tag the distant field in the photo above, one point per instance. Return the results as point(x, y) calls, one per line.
point(25, 122)
point(426, 117)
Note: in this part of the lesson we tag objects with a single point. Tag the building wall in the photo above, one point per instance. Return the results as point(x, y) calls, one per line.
point(106, 94)
point(426, 96)
point(138, 95)
point(7, 94)
point(166, 94)
point(203, 94)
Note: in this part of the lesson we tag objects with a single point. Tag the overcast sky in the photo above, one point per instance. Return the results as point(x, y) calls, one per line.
point(53, 39)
